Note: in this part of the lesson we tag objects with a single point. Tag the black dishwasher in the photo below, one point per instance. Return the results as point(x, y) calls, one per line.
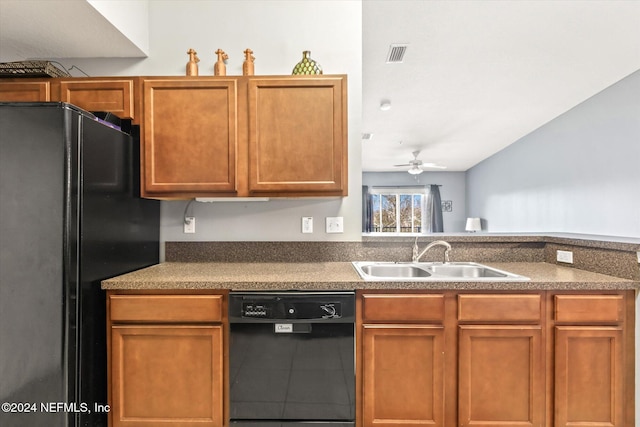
point(292, 358)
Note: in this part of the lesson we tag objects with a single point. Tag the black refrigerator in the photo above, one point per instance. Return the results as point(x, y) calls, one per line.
point(70, 216)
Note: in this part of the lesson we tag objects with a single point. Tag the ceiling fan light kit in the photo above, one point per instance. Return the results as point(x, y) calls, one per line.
point(417, 165)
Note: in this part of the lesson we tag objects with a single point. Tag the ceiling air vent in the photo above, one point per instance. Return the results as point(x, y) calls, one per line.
point(396, 53)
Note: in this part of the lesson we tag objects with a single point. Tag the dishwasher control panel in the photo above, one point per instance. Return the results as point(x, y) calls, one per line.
point(255, 310)
point(312, 306)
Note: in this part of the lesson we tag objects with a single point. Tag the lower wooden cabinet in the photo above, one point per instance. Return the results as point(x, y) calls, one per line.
point(486, 359)
point(588, 370)
point(403, 378)
point(501, 376)
point(500, 359)
point(166, 360)
point(438, 359)
point(169, 375)
point(593, 360)
point(402, 361)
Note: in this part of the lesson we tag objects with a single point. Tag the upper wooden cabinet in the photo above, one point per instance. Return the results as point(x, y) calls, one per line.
point(24, 91)
point(109, 94)
point(297, 135)
point(98, 94)
point(244, 136)
point(190, 132)
point(227, 136)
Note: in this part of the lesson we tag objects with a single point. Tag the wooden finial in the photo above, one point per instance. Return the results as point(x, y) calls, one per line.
point(247, 65)
point(220, 68)
point(192, 65)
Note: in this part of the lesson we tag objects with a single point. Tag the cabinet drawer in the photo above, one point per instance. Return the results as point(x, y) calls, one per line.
point(589, 308)
point(24, 92)
point(499, 308)
point(166, 308)
point(398, 308)
point(115, 96)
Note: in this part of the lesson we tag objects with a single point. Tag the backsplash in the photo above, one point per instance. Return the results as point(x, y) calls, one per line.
point(611, 258)
point(345, 251)
point(612, 262)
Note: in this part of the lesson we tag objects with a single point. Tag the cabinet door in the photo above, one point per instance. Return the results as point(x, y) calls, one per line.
point(298, 135)
point(189, 132)
point(24, 92)
point(113, 96)
point(166, 375)
point(589, 376)
point(501, 376)
point(403, 375)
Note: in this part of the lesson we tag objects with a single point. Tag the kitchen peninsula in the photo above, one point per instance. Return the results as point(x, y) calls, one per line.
point(550, 351)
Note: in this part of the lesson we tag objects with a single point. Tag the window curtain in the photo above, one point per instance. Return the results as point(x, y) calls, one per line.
point(433, 223)
point(367, 211)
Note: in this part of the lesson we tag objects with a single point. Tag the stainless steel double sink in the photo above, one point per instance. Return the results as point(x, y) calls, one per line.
point(433, 272)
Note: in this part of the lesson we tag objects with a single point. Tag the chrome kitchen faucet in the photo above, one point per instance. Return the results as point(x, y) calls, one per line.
point(416, 257)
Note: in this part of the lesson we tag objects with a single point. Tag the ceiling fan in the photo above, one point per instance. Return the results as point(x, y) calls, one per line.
point(417, 165)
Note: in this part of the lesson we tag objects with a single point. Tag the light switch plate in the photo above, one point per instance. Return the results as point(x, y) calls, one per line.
point(335, 224)
point(307, 224)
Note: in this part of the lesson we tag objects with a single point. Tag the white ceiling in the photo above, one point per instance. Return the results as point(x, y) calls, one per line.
point(476, 77)
point(479, 75)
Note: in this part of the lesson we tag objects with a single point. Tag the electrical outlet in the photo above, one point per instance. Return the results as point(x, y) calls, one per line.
point(564, 256)
point(638, 253)
point(335, 224)
point(190, 224)
point(307, 224)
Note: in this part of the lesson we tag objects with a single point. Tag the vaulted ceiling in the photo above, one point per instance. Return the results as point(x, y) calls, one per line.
point(479, 75)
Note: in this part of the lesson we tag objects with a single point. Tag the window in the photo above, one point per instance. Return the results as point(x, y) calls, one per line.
point(402, 209)
point(397, 210)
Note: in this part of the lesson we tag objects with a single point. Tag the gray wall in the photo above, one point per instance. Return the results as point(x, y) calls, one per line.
point(452, 188)
point(580, 173)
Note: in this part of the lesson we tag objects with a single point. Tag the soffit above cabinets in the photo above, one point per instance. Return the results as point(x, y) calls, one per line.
point(31, 29)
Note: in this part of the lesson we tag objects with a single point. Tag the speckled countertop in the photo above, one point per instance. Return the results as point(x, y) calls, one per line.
point(342, 276)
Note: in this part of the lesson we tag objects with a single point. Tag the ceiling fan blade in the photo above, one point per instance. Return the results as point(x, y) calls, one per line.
point(416, 165)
